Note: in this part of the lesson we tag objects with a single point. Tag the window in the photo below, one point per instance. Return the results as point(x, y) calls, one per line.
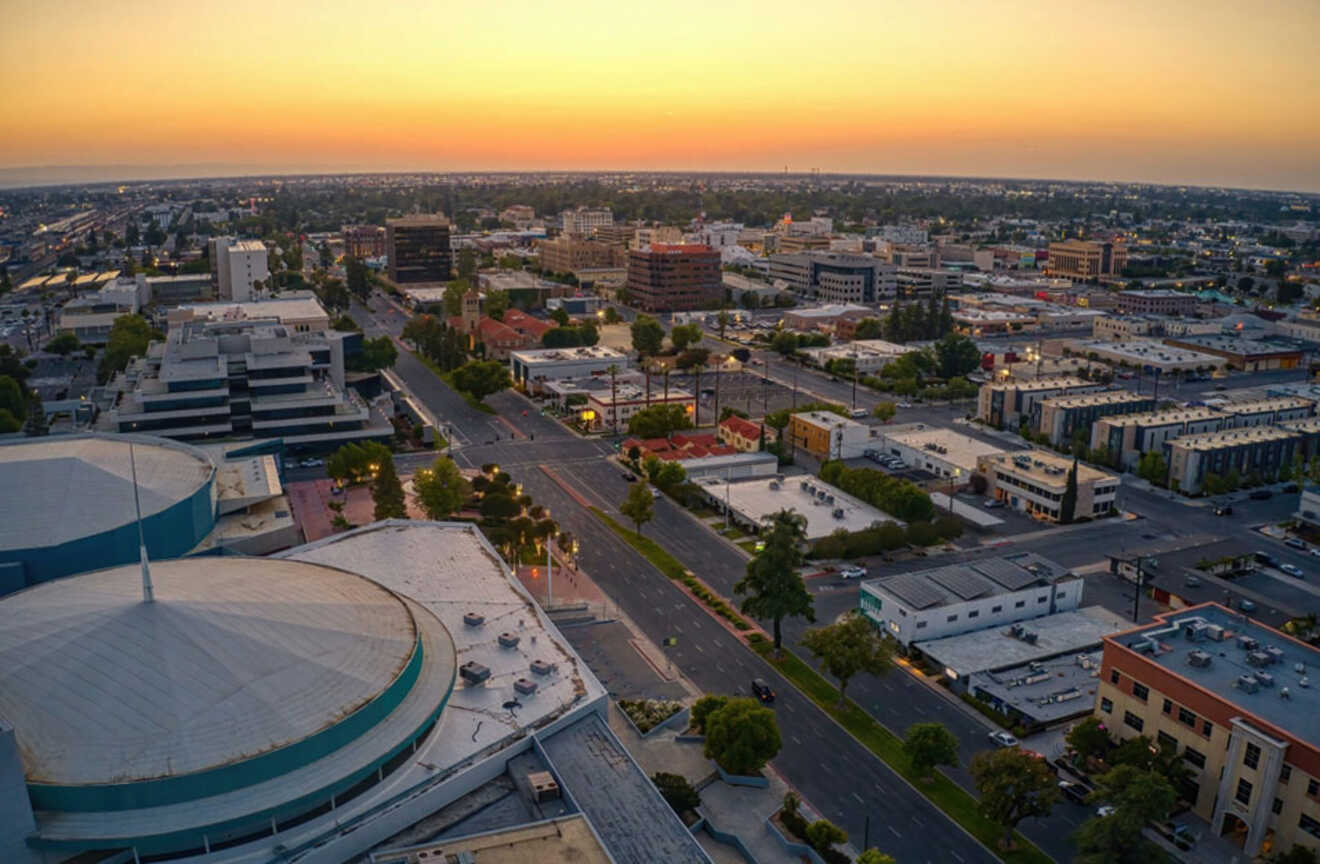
point(1041, 599)
point(1186, 717)
point(1113, 676)
point(1168, 706)
point(1106, 705)
point(1195, 757)
point(951, 618)
point(1285, 773)
point(999, 608)
point(1133, 720)
point(1309, 825)
point(1312, 788)
point(1251, 758)
point(1019, 604)
point(1243, 794)
point(1166, 740)
point(1277, 807)
point(1206, 728)
point(1140, 691)
point(921, 624)
point(975, 613)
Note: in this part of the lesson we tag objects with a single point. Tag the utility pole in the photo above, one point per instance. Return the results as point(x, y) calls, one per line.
point(854, 393)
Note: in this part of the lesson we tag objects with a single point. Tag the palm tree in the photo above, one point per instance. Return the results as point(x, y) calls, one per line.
point(614, 400)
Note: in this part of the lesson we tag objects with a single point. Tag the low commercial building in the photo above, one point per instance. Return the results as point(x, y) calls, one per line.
point(963, 598)
point(1063, 417)
point(1126, 437)
point(1232, 697)
point(91, 316)
point(941, 451)
point(1148, 355)
point(745, 435)
point(300, 311)
point(1157, 301)
point(569, 253)
point(826, 317)
point(1249, 355)
point(613, 409)
point(1034, 482)
point(867, 355)
point(827, 435)
point(1003, 404)
point(1117, 328)
point(1308, 508)
point(533, 368)
point(825, 508)
point(1258, 450)
point(916, 282)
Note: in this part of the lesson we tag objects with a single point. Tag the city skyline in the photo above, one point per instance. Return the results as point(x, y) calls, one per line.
point(1213, 95)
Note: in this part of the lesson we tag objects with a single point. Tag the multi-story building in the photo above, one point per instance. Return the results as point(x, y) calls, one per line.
point(625, 400)
point(1116, 328)
point(364, 241)
point(717, 235)
point(666, 278)
point(1232, 697)
point(585, 220)
point(827, 435)
point(1258, 450)
point(835, 277)
point(1062, 417)
point(923, 281)
point(1003, 404)
point(865, 355)
point(1249, 355)
point(418, 248)
point(91, 316)
point(1127, 436)
point(520, 216)
point(744, 435)
point(244, 271)
point(1308, 509)
point(253, 378)
point(173, 290)
point(803, 243)
point(961, 598)
point(1034, 482)
point(1084, 259)
point(1266, 412)
point(943, 452)
point(616, 235)
point(907, 234)
point(570, 253)
point(533, 368)
point(1156, 301)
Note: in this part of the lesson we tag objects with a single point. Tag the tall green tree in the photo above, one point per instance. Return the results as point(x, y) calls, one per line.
point(772, 584)
point(742, 735)
point(648, 336)
point(1013, 785)
point(849, 647)
point(441, 489)
point(884, 411)
point(1068, 504)
point(467, 265)
point(639, 506)
point(356, 274)
point(956, 356)
point(1089, 738)
point(387, 492)
point(128, 338)
point(481, 378)
point(928, 745)
point(36, 424)
point(1137, 797)
point(683, 335)
point(497, 303)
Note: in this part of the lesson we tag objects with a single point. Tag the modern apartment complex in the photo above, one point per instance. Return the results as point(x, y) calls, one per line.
point(666, 278)
point(1084, 259)
point(1003, 404)
point(418, 248)
point(961, 598)
point(1233, 697)
point(1259, 450)
point(364, 241)
point(1035, 481)
point(834, 277)
point(1061, 417)
point(1127, 436)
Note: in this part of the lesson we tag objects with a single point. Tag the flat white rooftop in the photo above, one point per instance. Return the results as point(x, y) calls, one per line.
point(998, 648)
point(754, 500)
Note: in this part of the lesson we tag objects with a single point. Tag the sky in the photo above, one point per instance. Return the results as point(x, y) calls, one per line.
point(1174, 91)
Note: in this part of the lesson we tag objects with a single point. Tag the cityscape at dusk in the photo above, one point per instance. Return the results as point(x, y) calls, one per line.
point(725, 433)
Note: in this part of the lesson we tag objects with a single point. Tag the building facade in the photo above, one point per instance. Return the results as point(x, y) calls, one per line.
point(1256, 451)
point(1248, 355)
point(418, 248)
point(1062, 418)
point(1004, 404)
point(1126, 437)
point(1084, 259)
point(1035, 482)
point(834, 277)
point(667, 278)
point(568, 254)
point(613, 410)
point(364, 241)
point(744, 435)
point(242, 266)
point(1157, 301)
point(585, 220)
point(827, 435)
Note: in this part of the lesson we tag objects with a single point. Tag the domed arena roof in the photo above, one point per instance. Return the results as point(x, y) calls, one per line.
point(77, 486)
point(235, 658)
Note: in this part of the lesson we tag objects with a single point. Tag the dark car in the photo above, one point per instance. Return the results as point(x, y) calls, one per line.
point(1261, 495)
point(762, 691)
point(629, 476)
point(1292, 487)
point(1223, 510)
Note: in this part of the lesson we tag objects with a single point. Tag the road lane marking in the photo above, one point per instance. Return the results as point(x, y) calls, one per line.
point(895, 830)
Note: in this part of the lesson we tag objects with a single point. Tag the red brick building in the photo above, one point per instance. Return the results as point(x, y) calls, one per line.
point(665, 278)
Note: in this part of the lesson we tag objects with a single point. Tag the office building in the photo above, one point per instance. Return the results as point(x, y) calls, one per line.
point(670, 278)
point(827, 318)
point(1258, 451)
point(570, 253)
point(1034, 482)
point(90, 316)
point(1116, 328)
point(78, 504)
point(173, 290)
point(364, 241)
point(1148, 355)
point(1157, 301)
point(585, 220)
point(1084, 259)
point(963, 598)
point(421, 632)
point(534, 368)
point(1126, 437)
point(1232, 697)
point(1248, 355)
point(244, 271)
point(520, 216)
point(418, 249)
point(835, 277)
point(1004, 404)
point(624, 400)
point(1061, 418)
point(943, 452)
point(300, 311)
point(913, 282)
point(827, 435)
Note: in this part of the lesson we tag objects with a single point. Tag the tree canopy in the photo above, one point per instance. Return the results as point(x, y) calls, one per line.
point(928, 745)
point(742, 735)
point(648, 335)
point(387, 492)
point(441, 489)
point(659, 421)
point(1013, 785)
point(639, 506)
point(481, 378)
point(772, 583)
point(129, 337)
point(848, 647)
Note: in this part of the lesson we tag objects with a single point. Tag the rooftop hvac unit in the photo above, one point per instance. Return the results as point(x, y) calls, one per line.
point(1259, 659)
point(1276, 654)
point(473, 672)
point(1299, 668)
point(1030, 637)
point(508, 640)
point(473, 619)
point(1247, 643)
point(838, 513)
point(1143, 646)
point(1199, 658)
point(1214, 632)
point(525, 686)
point(1248, 683)
point(1036, 678)
point(544, 786)
point(1017, 629)
point(829, 499)
point(1194, 631)
point(1285, 693)
point(804, 485)
point(1265, 679)
point(540, 667)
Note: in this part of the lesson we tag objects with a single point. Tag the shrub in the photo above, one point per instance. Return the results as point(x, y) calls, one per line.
point(922, 534)
point(676, 790)
point(703, 708)
point(646, 714)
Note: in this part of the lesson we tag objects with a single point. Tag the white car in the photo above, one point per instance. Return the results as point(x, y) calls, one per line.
point(312, 463)
point(904, 404)
point(1003, 739)
point(1292, 570)
point(852, 572)
point(1105, 810)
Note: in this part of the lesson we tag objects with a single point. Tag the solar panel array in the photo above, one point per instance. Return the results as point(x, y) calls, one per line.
point(961, 581)
point(913, 589)
point(1011, 574)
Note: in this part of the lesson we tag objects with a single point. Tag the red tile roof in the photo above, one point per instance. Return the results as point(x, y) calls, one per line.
point(742, 427)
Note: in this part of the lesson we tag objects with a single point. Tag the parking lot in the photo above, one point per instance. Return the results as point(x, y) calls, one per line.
point(744, 391)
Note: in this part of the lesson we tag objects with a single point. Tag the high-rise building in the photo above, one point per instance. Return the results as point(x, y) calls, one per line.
point(241, 266)
point(419, 250)
point(671, 278)
point(1085, 259)
point(364, 241)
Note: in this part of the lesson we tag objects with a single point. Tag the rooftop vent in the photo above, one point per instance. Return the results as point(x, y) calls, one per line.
point(1276, 654)
point(540, 667)
point(1265, 678)
point(508, 640)
point(473, 672)
point(1200, 659)
point(472, 619)
point(1259, 659)
point(1247, 643)
point(544, 787)
point(1248, 683)
point(525, 686)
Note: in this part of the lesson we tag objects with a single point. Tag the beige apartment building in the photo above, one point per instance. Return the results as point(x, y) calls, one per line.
point(1232, 696)
point(566, 254)
point(1084, 259)
point(1033, 482)
point(1003, 404)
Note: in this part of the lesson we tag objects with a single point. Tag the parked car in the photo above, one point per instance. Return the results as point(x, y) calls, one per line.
point(1266, 558)
point(852, 572)
point(1074, 792)
point(1292, 487)
point(858, 413)
point(1246, 605)
point(1223, 510)
point(992, 503)
point(655, 493)
point(1315, 550)
point(1260, 495)
point(312, 463)
point(904, 405)
point(1105, 810)
point(1003, 739)
point(1295, 542)
point(1292, 570)
point(629, 476)
point(1193, 581)
point(762, 691)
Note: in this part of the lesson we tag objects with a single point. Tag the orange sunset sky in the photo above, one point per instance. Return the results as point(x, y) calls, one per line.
point(1205, 92)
